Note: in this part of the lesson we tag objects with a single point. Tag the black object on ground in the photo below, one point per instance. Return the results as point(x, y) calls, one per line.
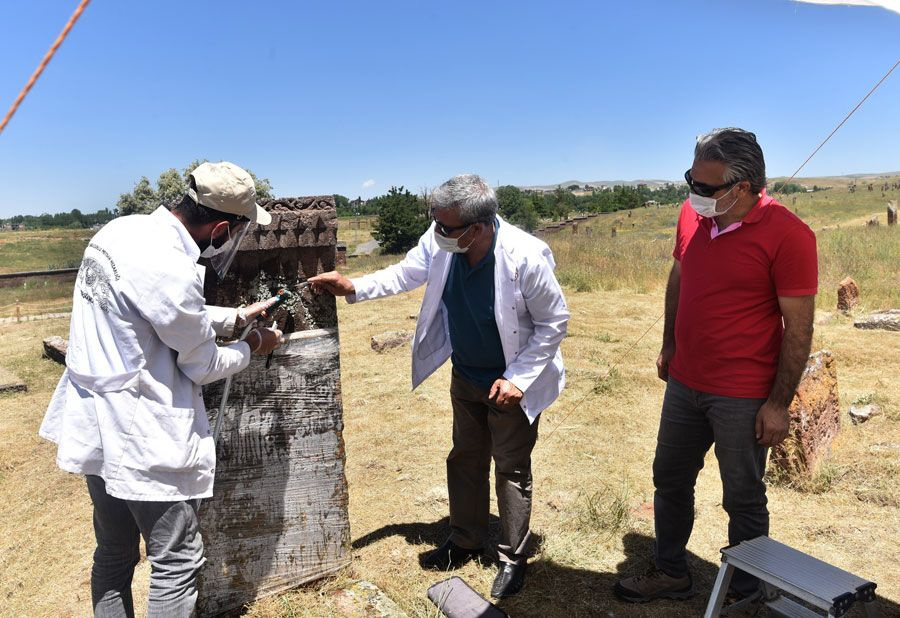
point(456, 599)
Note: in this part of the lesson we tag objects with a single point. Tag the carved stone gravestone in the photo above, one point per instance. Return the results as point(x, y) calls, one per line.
point(815, 419)
point(847, 295)
point(278, 516)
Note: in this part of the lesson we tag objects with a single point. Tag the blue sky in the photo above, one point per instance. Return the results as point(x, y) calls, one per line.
point(353, 97)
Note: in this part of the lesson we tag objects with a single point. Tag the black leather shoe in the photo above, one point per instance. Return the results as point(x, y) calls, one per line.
point(509, 581)
point(449, 556)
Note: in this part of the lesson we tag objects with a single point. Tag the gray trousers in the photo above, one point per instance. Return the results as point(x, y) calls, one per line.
point(174, 548)
point(691, 422)
point(481, 430)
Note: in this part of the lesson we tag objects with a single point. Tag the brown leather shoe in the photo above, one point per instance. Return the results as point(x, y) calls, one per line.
point(654, 584)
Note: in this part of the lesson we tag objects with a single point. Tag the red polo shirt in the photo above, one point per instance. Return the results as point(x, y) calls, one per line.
point(728, 327)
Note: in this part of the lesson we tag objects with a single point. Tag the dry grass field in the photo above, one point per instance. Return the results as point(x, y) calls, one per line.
point(593, 488)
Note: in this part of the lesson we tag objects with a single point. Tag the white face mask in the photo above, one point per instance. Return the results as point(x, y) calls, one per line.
point(706, 206)
point(451, 245)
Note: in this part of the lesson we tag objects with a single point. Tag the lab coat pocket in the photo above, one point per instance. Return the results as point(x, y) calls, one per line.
point(162, 438)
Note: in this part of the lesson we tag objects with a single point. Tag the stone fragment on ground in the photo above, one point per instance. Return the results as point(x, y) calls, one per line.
point(881, 320)
point(885, 447)
point(364, 599)
point(10, 383)
point(56, 348)
point(847, 294)
point(815, 418)
point(860, 414)
point(390, 340)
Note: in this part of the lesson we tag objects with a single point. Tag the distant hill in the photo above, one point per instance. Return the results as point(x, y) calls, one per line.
point(843, 180)
point(596, 184)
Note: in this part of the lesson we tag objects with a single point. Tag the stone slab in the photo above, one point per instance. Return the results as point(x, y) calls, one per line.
point(363, 599)
point(10, 382)
point(56, 348)
point(882, 320)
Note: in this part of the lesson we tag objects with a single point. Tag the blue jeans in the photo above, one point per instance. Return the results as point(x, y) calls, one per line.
point(171, 534)
point(691, 422)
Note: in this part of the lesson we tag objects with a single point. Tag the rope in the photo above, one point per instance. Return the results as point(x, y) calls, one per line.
point(43, 64)
point(846, 118)
point(601, 380)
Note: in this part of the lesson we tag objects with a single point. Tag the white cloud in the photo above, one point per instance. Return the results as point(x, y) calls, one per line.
point(368, 184)
point(891, 5)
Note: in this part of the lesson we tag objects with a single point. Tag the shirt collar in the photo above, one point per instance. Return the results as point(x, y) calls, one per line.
point(755, 214)
point(167, 218)
point(759, 209)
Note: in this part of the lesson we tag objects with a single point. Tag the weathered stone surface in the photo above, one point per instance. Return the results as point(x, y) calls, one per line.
point(883, 320)
point(892, 213)
point(56, 348)
point(860, 414)
point(364, 599)
point(873, 222)
point(9, 382)
point(847, 294)
point(278, 517)
point(815, 418)
point(390, 340)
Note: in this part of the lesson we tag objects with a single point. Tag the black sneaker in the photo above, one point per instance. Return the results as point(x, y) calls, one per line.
point(449, 556)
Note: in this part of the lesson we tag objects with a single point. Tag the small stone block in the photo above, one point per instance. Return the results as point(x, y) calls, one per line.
point(56, 348)
point(10, 383)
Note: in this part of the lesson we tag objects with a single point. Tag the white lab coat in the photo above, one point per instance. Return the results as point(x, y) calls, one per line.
point(128, 407)
point(529, 309)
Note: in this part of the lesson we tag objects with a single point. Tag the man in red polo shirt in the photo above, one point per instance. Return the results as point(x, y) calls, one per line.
point(738, 330)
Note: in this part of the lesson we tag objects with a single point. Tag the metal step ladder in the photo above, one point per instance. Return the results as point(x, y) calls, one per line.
point(783, 569)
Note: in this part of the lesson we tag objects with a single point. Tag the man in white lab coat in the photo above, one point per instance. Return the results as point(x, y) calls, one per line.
point(492, 304)
point(128, 411)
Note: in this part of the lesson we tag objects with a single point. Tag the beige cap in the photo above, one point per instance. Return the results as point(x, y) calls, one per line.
point(227, 188)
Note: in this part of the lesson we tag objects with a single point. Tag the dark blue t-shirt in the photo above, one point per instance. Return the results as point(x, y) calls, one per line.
point(469, 298)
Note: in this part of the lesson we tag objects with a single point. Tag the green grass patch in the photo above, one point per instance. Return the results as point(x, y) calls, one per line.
point(605, 511)
point(42, 249)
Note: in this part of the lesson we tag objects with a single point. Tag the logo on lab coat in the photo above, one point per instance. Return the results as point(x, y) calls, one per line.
point(94, 281)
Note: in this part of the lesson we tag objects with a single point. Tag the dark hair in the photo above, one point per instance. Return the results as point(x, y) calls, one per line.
point(197, 214)
point(739, 151)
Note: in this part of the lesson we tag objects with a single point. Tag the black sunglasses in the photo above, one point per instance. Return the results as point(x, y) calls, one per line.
point(704, 190)
point(446, 230)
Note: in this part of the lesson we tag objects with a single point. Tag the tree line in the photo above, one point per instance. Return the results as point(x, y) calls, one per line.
point(144, 198)
point(74, 219)
point(403, 216)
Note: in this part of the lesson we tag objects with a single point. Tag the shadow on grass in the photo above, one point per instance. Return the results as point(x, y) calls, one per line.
point(433, 534)
point(556, 589)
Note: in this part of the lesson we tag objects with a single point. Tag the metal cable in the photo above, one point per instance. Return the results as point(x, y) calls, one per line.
point(622, 357)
